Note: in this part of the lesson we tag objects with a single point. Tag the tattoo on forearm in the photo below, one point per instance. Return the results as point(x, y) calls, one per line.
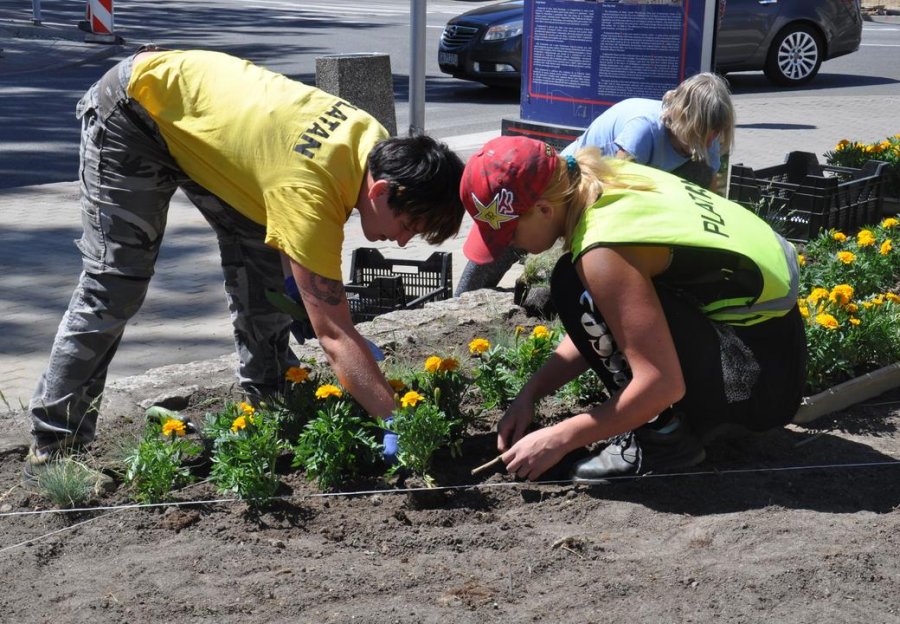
point(322, 288)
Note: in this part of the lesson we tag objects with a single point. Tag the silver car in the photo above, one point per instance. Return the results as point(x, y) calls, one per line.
point(787, 39)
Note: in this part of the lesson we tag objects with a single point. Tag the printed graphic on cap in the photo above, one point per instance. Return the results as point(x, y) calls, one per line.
point(498, 212)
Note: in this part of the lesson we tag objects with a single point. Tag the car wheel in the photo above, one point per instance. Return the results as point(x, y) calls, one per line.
point(795, 56)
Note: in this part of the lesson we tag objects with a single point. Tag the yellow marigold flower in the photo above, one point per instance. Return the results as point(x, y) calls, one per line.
point(841, 145)
point(540, 332)
point(396, 385)
point(520, 329)
point(892, 297)
point(854, 320)
point(827, 321)
point(852, 308)
point(816, 295)
point(328, 390)
point(804, 311)
point(878, 300)
point(847, 257)
point(449, 364)
point(841, 294)
point(885, 145)
point(433, 364)
point(865, 238)
point(889, 223)
point(173, 427)
point(479, 346)
point(411, 398)
point(297, 374)
point(839, 236)
point(239, 423)
point(867, 304)
point(886, 247)
point(801, 259)
point(246, 408)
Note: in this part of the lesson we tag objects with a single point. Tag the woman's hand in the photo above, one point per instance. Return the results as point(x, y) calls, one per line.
point(515, 421)
point(534, 454)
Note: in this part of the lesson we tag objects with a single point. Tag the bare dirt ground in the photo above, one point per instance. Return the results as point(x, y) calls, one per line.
point(796, 525)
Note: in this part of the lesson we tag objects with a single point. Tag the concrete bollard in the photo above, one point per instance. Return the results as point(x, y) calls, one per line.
point(364, 80)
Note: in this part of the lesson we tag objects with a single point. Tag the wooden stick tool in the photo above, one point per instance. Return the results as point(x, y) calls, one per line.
point(491, 464)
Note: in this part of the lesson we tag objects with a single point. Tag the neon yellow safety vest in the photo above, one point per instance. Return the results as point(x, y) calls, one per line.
point(676, 213)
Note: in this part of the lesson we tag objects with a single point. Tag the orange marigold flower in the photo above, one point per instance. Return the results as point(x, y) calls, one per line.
point(173, 427)
point(396, 385)
point(239, 423)
point(889, 223)
point(841, 145)
point(433, 364)
point(246, 408)
point(841, 294)
point(827, 321)
point(297, 374)
point(816, 295)
point(540, 332)
point(328, 390)
point(865, 238)
point(449, 364)
point(892, 297)
point(479, 346)
point(886, 247)
point(411, 398)
point(839, 236)
point(847, 257)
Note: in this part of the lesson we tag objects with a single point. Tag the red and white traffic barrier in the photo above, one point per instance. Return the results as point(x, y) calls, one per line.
point(99, 18)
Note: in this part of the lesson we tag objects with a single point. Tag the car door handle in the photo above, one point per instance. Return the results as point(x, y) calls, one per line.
point(767, 1)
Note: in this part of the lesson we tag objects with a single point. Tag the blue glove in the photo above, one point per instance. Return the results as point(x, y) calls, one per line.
point(301, 330)
point(391, 443)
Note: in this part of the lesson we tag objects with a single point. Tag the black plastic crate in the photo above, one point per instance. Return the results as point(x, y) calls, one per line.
point(801, 197)
point(379, 285)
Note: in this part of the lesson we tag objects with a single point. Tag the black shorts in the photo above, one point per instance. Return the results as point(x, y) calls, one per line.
point(753, 376)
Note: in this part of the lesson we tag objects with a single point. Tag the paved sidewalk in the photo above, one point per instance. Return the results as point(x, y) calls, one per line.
point(184, 317)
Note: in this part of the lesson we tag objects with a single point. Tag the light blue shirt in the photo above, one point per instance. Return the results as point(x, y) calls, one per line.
point(634, 125)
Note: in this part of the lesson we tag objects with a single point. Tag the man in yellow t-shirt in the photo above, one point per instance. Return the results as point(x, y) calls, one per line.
point(276, 167)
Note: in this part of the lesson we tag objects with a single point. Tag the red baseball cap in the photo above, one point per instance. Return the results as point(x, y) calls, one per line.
point(502, 181)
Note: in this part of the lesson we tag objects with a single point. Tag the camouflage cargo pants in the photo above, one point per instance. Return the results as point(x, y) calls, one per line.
point(127, 179)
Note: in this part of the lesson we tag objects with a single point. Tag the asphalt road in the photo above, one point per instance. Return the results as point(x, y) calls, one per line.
point(39, 134)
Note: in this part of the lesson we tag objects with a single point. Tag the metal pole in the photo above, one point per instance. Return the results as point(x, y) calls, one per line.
point(417, 10)
point(36, 11)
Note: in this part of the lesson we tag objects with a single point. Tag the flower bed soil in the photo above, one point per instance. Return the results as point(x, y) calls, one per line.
point(769, 528)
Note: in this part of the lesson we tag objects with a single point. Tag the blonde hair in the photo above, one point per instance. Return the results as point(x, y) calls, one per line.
point(695, 108)
point(574, 188)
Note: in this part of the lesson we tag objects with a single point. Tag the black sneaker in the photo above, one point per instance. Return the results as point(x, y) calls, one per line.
point(639, 452)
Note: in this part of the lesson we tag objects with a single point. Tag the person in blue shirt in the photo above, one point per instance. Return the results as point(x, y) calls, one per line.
point(685, 133)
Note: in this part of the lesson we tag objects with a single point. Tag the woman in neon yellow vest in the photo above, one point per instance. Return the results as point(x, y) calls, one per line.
point(684, 303)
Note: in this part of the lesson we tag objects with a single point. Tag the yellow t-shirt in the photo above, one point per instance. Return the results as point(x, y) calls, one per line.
point(284, 154)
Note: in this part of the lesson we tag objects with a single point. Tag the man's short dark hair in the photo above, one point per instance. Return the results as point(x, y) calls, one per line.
point(424, 178)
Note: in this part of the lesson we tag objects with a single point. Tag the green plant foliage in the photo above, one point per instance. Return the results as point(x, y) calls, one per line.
point(423, 428)
point(67, 482)
point(154, 467)
point(849, 300)
point(504, 367)
point(855, 154)
point(246, 447)
point(338, 443)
